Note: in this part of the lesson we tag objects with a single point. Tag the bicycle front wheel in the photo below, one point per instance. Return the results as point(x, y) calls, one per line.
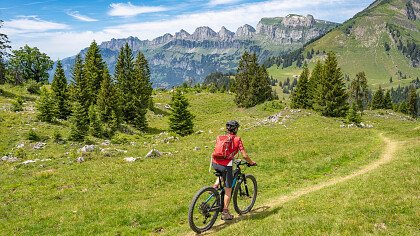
point(204, 209)
point(245, 194)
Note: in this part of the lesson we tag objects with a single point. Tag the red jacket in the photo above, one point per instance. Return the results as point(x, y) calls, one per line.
point(237, 146)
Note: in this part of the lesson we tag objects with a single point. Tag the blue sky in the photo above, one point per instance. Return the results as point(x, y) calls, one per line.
point(62, 28)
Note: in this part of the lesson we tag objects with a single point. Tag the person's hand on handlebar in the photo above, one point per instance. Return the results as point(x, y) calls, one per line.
point(252, 163)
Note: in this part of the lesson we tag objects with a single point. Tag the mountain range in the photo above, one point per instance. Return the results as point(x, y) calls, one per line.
point(174, 59)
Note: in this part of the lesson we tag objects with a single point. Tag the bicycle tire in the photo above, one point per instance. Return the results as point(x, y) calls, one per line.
point(198, 205)
point(246, 199)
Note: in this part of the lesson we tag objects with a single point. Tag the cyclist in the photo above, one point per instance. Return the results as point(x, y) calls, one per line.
point(224, 165)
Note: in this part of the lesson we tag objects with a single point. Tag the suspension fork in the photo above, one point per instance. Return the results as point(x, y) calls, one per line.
point(245, 185)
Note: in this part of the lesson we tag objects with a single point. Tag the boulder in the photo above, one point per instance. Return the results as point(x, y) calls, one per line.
point(153, 153)
point(130, 159)
point(39, 145)
point(10, 158)
point(88, 148)
point(80, 159)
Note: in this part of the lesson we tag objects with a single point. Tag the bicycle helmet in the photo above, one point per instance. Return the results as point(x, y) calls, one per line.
point(232, 126)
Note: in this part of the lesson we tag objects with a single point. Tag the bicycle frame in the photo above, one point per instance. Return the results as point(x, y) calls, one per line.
point(237, 173)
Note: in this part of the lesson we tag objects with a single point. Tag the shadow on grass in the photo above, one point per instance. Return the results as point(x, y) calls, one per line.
point(258, 213)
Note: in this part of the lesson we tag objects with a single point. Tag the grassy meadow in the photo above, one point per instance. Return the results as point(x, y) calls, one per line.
point(104, 195)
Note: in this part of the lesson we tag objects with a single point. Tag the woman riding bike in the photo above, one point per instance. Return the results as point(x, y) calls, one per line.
point(224, 165)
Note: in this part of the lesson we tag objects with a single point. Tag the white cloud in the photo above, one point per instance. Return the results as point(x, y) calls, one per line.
point(128, 9)
point(222, 2)
point(231, 18)
point(64, 44)
point(76, 15)
point(30, 24)
point(59, 45)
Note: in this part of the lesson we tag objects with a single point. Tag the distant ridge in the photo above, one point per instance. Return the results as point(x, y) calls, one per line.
point(183, 56)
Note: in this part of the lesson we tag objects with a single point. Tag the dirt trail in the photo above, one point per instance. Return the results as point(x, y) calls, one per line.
point(386, 156)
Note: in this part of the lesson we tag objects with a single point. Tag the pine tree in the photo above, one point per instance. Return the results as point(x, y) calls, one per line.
point(359, 91)
point(46, 106)
point(378, 99)
point(315, 82)
point(124, 75)
point(252, 82)
point(80, 91)
point(353, 116)
point(79, 122)
point(300, 96)
point(60, 93)
point(142, 90)
point(180, 120)
point(95, 128)
point(107, 101)
point(93, 71)
point(412, 102)
point(387, 100)
point(331, 95)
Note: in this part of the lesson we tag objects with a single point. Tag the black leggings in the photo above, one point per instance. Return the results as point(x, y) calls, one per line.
point(227, 173)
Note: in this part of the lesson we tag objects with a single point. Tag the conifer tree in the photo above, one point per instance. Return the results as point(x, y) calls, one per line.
point(142, 90)
point(180, 120)
point(378, 99)
point(95, 128)
point(315, 82)
point(80, 92)
point(46, 106)
point(60, 93)
point(124, 75)
point(107, 99)
point(412, 102)
point(252, 82)
point(300, 96)
point(352, 115)
point(79, 122)
point(359, 91)
point(331, 95)
point(387, 100)
point(93, 71)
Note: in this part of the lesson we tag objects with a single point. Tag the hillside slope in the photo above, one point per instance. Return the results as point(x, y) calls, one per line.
point(48, 192)
point(383, 41)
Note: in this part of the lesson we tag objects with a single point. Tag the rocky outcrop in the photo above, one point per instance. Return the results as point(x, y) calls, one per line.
point(203, 33)
point(245, 31)
point(225, 35)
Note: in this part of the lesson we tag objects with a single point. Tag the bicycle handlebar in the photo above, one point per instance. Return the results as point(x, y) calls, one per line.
point(240, 163)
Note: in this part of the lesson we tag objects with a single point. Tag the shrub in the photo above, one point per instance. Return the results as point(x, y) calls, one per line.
point(33, 136)
point(17, 105)
point(119, 139)
point(33, 87)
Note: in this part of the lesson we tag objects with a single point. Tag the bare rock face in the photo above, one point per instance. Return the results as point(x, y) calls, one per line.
point(245, 31)
point(203, 33)
point(296, 21)
point(182, 34)
point(162, 39)
point(225, 35)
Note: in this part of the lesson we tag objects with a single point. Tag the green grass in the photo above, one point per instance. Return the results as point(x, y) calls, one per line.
point(105, 195)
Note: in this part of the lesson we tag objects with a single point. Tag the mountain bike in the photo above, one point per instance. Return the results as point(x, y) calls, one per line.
point(208, 202)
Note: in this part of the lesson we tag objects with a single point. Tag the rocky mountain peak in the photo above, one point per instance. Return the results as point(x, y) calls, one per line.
point(162, 39)
point(293, 20)
point(225, 34)
point(245, 31)
point(203, 33)
point(182, 34)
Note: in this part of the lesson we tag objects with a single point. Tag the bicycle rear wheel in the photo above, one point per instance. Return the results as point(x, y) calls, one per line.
point(245, 194)
point(204, 209)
